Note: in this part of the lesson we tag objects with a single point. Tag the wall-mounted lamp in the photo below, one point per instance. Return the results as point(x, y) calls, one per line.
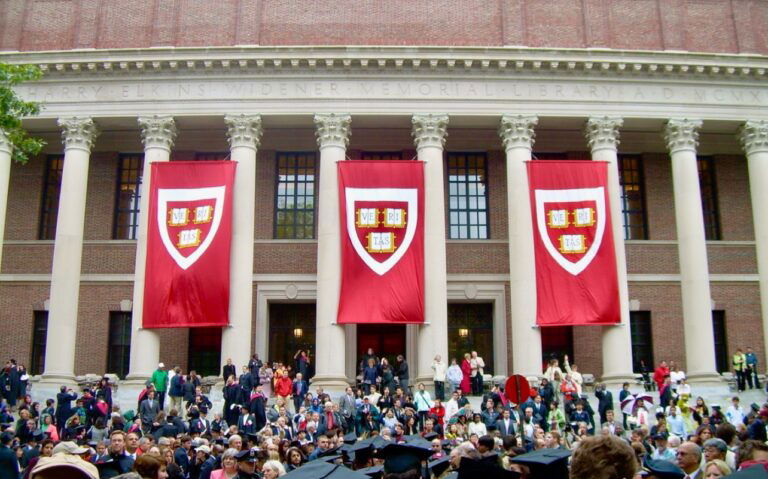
point(298, 332)
point(463, 332)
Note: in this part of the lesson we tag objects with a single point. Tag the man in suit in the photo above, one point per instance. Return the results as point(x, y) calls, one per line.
point(347, 406)
point(246, 422)
point(614, 427)
point(228, 370)
point(9, 465)
point(540, 412)
point(246, 385)
point(329, 419)
point(604, 401)
point(64, 407)
point(181, 455)
point(298, 390)
point(200, 425)
point(254, 365)
point(117, 461)
point(505, 425)
point(148, 410)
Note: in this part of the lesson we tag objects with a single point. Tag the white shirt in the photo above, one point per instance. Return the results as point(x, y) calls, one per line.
point(477, 428)
point(451, 408)
point(440, 369)
point(674, 377)
point(734, 415)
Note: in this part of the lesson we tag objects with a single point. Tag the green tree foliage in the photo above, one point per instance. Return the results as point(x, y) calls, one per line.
point(13, 109)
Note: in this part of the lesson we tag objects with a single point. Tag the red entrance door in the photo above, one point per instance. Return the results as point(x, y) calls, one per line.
point(387, 340)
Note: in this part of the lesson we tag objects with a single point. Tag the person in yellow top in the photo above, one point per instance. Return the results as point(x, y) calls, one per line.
point(740, 367)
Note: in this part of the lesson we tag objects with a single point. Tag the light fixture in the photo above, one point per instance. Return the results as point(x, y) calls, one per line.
point(298, 332)
point(463, 332)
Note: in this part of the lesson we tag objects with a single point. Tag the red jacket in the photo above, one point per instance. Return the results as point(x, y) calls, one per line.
point(658, 376)
point(283, 386)
point(438, 412)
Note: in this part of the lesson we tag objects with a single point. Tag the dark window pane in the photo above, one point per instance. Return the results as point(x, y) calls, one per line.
point(295, 196)
point(119, 350)
point(467, 196)
point(470, 328)
point(709, 203)
point(54, 168)
point(205, 351)
point(39, 339)
point(216, 156)
point(721, 344)
point(381, 155)
point(642, 339)
point(130, 170)
point(633, 197)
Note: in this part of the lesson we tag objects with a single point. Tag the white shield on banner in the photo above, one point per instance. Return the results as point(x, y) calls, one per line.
point(565, 196)
point(164, 196)
point(407, 195)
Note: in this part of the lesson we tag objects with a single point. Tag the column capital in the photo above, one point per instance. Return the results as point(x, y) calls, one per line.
point(516, 131)
point(332, 129)
point(429, 129)
point(602, 132)
point(682, 134)
point(243, 130)
point(78, 133)
point(158, 131)
point(5, 143)
point(753, 135)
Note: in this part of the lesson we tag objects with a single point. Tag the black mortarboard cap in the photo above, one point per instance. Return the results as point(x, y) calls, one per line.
point(400, 458)
point(431, 435)
point(216, 427)
point(330, 452)
point(549, 463)
point(38, 435)
point(251, 437)
point(420, 442)
point(350, 438)
point(379, 442)
point(316, 469)
point(375, 472)
point(753, 472)
point(662, 469)
point(439, 466)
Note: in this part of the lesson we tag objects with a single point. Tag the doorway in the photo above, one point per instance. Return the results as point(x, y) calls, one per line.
point(556, 342)
point(387, 341)
point(291, 328)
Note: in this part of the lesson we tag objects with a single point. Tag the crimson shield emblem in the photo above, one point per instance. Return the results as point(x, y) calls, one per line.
point(381, 223)
point(571, 224)
point(188, 220)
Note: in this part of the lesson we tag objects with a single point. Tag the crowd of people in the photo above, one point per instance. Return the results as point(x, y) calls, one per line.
point(271, 424)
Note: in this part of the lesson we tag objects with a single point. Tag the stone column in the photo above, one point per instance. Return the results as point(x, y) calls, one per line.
point(603, 139)
point(5, 174)
point(244, 133)
point(517, 136)
point(429, 137)
point(78, 134)
point(330, 362)
point(157, 133)
point(754, 138)
point(682, 136)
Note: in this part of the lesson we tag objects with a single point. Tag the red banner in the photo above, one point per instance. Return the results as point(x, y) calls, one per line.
point(188, 244)
point(382, 241)
point(576, 279)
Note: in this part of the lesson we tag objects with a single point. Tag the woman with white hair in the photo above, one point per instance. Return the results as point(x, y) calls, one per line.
point(272, 469)
point(228, 465)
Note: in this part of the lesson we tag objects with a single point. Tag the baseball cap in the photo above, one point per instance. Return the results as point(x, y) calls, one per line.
point(69, 447)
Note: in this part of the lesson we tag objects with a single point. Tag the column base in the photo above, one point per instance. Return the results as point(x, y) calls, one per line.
point(708, 384)
point(47, 386)
point(617, 380)
point(333, 385)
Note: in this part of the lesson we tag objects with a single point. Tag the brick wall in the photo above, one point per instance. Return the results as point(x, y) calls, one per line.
point(19, 300)
point(741, 25)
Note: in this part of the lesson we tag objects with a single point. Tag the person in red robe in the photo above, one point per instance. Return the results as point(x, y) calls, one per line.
point(660, 373)
point(466, 369)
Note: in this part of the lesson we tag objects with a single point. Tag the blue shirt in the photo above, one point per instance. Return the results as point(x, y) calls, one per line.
point(676, 426)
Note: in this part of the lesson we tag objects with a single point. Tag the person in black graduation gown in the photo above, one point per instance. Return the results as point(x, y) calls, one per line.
point(64, 407)
point(257, 407)
point(229, 369)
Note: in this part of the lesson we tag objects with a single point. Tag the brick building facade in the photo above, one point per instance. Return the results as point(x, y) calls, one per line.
point(564, 62)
